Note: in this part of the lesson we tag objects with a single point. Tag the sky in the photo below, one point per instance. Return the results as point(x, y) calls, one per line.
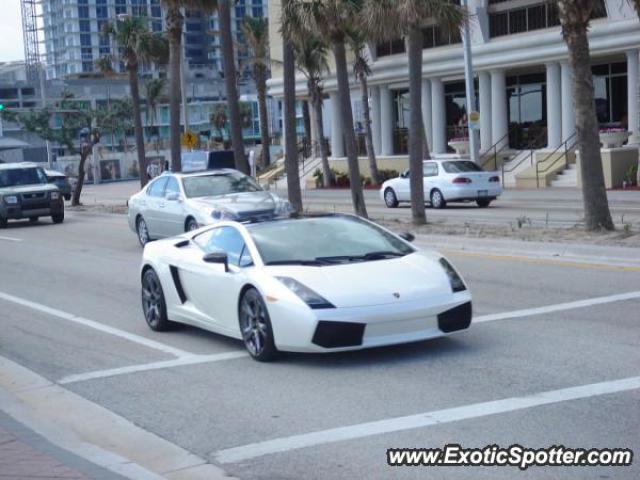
point(11, 47)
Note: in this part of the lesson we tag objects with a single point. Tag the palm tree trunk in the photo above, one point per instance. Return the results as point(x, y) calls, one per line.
point(306, 120)
point(174, 22)
point(84, 154)
point(596, 206)
point(291, 143)
point(316, 103)
point(137, 123)
point(229, 65)
point(416, 130)
point(344, 94)
point(261, 86)
point(371, 154)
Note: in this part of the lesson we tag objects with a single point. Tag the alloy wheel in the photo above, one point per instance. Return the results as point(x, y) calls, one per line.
point(143, 232)
point(151, 300)
point(254, 324)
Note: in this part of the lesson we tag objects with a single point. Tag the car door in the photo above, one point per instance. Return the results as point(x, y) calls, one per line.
point(403, 189)
point(211, 290)
point(150, 206)
point(429, 177)
point(171, 215)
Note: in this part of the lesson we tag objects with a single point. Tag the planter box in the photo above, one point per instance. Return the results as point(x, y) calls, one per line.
point(615, 164)
point(460, 146)
point(613, 139)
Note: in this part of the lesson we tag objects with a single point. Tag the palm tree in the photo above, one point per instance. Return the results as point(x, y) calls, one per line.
point(174, 21)
point(138, 45)
point(574, 18)
point(361, 70)
point(407, 17)
point(332, 19)
point(230, 81)
point(311, 59)
point(154, 92)
point(256, 34)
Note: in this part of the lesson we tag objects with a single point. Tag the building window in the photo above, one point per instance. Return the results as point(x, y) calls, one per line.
point(434, 36)
point(610, 92)
point(391, 47)
point(505, 19)
point(85, 39)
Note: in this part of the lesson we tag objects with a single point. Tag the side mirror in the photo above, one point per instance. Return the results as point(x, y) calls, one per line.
point(405, 174)
point(172, 196)
point(217, 257)
point(408, 236)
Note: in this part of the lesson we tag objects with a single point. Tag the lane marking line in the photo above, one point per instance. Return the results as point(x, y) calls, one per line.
point(543, 261)
point(132, 337)
point(557, 307)
point(410, 422)
point(10, 239)
point(145, 367)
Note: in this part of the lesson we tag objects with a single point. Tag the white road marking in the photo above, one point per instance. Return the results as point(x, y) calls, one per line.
point(557, 307)
point(132, 337)
point(188, 360)
point(10, 239)
point(475, 410)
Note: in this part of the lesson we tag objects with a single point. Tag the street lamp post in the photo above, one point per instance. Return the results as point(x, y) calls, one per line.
point(470, 90)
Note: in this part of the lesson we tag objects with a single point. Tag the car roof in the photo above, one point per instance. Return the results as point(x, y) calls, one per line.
point(11, 166)
point(53, 173)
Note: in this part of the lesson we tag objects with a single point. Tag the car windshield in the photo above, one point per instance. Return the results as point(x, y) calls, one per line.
point(22, 176)
point(461, 166)
point(219, 184)
point(324, 241)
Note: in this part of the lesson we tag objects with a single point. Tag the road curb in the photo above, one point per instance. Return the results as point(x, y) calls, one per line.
point(94, 433)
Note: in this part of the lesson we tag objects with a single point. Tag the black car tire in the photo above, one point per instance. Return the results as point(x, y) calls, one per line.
point(154, 305)
point(3, 222)
point(255, 327)
point(437, 199)
point(390, 198)
point(143, 231)
point(483, 203)
point(58, 217)
point(191, 224)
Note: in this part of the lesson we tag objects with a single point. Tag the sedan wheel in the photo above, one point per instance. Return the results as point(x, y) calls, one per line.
point(143, 231)
point(255, 326)
point(437, 200)
point(191, 225)
point(153, 302)
point(390, 198)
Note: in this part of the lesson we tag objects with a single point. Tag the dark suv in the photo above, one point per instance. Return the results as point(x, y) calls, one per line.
point(25, 193)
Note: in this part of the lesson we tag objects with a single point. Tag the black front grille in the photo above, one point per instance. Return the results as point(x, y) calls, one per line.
point(458, 318)
point(255, 216)
point(338, 334)
point(35, 205)
point(33, 196)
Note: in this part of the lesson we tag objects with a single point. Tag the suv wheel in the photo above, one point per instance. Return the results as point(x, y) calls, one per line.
point(58, 217)
point(3, 222)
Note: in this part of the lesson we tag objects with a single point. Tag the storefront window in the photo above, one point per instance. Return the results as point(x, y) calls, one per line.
point(526, 97)
point(610, 93)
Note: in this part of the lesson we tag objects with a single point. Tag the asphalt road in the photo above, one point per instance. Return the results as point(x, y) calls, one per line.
point(253, 419)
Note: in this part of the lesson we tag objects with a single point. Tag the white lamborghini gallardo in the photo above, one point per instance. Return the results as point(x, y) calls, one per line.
point(310, 284)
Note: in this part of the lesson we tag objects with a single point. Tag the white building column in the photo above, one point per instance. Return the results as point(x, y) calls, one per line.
point(554, 106)
point(337, 142)
point(499, 116)
point(484, 87)
point(426, 111)
point(633, 96)
point(386, 121)
point(376, 127)
point(568, 112)
point(438, 117)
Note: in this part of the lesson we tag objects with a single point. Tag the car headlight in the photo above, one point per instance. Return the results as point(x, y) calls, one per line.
point(222, 214)
point(457, 285)
point(55, 195)
point(11, 199)
point(283, 207)
point(307, 295)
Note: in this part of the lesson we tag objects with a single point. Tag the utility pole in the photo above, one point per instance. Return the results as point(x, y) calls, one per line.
point(470, 90)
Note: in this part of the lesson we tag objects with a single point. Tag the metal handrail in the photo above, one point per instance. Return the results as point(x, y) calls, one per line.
point(494, 147)
point(531, 149)
point(565, 156)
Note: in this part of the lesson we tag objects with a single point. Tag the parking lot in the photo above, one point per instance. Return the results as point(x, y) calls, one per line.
point(552, 358)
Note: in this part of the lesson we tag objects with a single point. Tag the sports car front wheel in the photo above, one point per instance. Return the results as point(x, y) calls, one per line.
point(255, 326)
point(153, 303)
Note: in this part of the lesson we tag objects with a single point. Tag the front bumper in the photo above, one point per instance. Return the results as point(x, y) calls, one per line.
point(42, 209)
point(342, 329)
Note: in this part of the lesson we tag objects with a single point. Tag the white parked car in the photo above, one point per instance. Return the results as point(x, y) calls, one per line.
point(446, 181)
point(312, 284)
point(175, 203)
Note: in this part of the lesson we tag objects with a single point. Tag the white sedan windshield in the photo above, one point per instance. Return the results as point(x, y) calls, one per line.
point(219, 184)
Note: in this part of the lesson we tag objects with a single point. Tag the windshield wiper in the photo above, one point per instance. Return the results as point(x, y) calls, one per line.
point(382, 255)
point(379, 255)
point(309, 263)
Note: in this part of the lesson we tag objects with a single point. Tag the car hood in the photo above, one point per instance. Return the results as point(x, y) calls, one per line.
point(37, 187)
point(380, 282)
point(238, 203)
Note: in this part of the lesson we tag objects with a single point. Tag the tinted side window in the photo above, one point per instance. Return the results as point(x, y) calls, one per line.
point(172, 186)
point(224, 239)
point(430, 169)
point(156, 189)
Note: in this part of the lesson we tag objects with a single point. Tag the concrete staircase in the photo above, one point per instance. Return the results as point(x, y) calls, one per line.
point(306, 170)
point(514, 166)
point(567, 178)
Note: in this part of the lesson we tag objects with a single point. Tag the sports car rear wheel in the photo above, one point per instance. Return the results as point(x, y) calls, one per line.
point(153, 302)
point(255, 326)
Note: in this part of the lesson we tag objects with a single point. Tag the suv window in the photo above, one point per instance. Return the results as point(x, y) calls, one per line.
point(22, 176)
point(156, 189)
point(225, 239)
point(430, 169)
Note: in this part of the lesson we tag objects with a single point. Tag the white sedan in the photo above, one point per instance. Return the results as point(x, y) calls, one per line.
point(312, 284)
point(446, 181)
